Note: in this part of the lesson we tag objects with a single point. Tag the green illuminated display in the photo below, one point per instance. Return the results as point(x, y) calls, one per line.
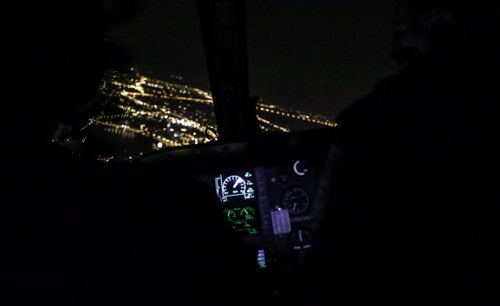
point(242, 219)
point(237, 193)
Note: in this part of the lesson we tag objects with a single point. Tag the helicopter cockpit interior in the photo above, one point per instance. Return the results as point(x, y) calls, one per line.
point(217, 194)
point(271, 184)
point(271, 187)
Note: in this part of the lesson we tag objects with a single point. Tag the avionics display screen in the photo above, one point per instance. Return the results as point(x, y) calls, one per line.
point(236, 191)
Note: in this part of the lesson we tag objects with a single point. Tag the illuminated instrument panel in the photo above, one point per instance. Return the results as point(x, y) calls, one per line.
point(236, 191)
point(271, 190)
point(270, 207)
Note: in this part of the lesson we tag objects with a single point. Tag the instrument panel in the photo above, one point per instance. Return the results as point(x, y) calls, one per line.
point(270, 207)
point(236, 192)
point(271, 190)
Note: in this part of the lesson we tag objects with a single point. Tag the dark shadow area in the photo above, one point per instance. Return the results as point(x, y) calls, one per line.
point(79, 232)
point(413, 220)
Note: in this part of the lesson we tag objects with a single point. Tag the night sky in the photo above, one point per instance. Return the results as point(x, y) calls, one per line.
point(315, 55)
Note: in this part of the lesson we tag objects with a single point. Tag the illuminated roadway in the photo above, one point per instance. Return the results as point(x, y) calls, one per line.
point(171, 115)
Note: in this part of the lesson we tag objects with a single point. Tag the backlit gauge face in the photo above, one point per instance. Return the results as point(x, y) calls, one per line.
point(295, 200)
point(248, 213)
point(233, 185)
point(230, 214)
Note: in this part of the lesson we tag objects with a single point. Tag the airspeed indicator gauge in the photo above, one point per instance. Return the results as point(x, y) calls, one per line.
point(233, 185)
point(235, 188)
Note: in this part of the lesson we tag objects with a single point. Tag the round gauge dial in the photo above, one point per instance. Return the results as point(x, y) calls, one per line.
point(295, 200)
point(230, 214)
point(233, 185)
point(248, 213)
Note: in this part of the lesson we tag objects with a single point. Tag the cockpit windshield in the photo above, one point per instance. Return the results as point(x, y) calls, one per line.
point(158, 95)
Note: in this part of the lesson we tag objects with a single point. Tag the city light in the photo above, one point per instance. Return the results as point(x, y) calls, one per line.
point(137, 108)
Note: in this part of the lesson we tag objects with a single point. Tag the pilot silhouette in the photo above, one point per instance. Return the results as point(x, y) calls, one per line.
point(412, 221)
